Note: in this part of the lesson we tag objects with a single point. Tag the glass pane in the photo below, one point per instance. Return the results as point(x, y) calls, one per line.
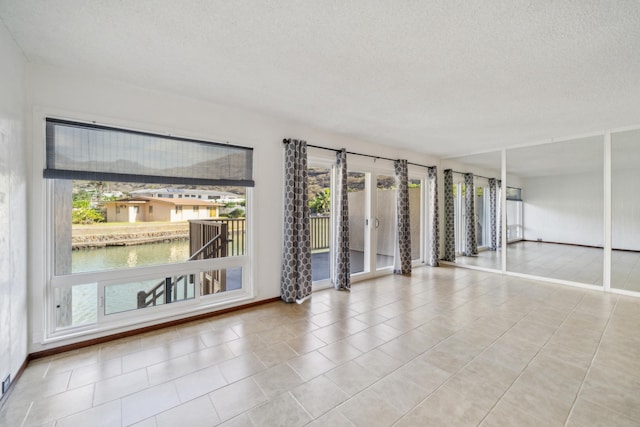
point(76, 305)
point(625, 210)
point(356, 185)
point(557, 230)
point(146, 293)
point(112, 225)
point(415, 204)
point(216, 281)
point(320, 208)
point(385, 220)
point(481, 216)
point(514, 220)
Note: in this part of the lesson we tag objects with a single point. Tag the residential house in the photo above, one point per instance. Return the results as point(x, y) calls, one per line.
point(144, 209)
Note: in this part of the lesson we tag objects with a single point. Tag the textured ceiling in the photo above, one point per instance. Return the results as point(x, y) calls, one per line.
point(441, 77)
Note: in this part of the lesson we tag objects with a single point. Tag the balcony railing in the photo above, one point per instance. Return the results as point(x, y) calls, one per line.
point(218, 238)
point(320, 232)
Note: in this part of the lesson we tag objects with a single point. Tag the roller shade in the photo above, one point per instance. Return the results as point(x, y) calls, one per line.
point(99, 153)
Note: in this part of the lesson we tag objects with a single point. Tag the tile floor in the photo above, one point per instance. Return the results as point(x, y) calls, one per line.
point(565, 262)
point(447, 346)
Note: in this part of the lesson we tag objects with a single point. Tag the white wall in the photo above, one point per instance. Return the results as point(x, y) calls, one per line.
point(564, 209)
point(13, 206)
point(83, 96)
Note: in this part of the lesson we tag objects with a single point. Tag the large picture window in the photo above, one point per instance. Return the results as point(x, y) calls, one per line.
point(142, 224)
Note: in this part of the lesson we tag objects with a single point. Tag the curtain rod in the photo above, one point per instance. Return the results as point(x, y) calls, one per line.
point(477, 176)
point(286, 141)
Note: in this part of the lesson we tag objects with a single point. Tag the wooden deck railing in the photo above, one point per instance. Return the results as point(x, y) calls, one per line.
point(320, 232)
point(218, 238)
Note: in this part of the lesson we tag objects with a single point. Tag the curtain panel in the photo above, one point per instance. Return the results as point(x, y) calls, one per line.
point(471, 241)
point(499, 226)
point(295, 283)
point(402, 258)
point(449, 219)
point(433, 225)
point(342, 280)
point(493, 220)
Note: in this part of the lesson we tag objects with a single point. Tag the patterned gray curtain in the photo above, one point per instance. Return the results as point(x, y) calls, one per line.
point(499, 225)
point(402, 259)
point(471, 242)
point(493, 230)
point(433, 226)
point(295, 283)
point(342, 280)
point(449, 219)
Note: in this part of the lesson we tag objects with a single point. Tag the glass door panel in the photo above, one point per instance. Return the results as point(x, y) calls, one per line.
point(320, 221)
point(385, 220)
point(415, 215)
point(358, 241)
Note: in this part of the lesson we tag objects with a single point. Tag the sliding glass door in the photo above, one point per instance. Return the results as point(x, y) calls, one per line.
point(385, 220)
point(359, 221)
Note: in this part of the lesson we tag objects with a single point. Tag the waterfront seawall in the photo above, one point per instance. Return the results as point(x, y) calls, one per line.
point(103, 235)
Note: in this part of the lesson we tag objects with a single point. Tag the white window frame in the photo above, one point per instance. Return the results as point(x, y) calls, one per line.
point(127, 319)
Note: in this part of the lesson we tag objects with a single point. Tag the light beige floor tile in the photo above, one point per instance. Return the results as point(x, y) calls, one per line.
point(368, 409)
point(311, 365)
point(443, 408)
point(199, 383)
point(330, 334)
point(340, 352)
point(319, 396)
point(614, 390)
point(148, 402)
point(170, 369)
point(586, 413)
point(241, 367)
point(505, 414)
point(74, 359)
point(236, 398)
point(426, 375)
point(283, 410)
point(60, 405)
point(378, 362)
point(89, 374)
point(246, 344)
point(275, 354)
point(214, 338)
point(212, 355)
point(351, 377)
point(277, 379)
point(305, 343)
point(398, 392)
point(119, 386)
point(529, 395)
point(276, 335)
point(109, 414)
point(197, 412)
point(334, 419)
point(149, 422)
point(241, 420)
point(364, 341)
point(144, 358)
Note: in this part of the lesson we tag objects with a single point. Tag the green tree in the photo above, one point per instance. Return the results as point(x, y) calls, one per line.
point(82, 213)
point(236, 213)
point(321, 203)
